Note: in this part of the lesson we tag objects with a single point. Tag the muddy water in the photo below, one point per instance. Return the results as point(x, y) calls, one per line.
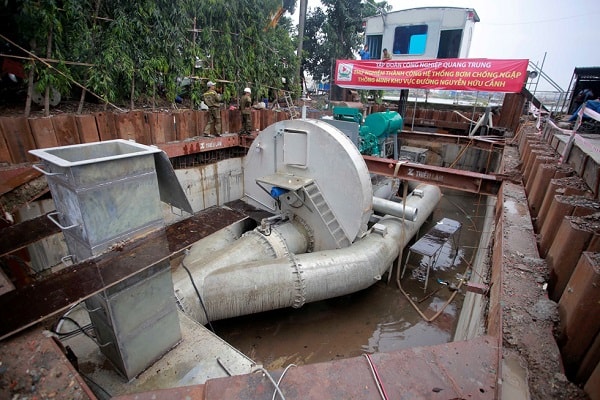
point(377, 319)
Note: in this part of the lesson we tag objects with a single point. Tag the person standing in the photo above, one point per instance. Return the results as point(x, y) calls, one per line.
point(246, 109)
point(213, 101)
point(364, 53)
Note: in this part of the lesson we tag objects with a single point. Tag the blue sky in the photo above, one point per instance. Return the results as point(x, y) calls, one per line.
point(560, 30)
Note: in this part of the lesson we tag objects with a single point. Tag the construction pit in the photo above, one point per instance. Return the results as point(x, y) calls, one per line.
point(480, 320)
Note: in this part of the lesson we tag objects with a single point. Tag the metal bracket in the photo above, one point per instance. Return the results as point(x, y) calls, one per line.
point(64, 228)
point(38, 167)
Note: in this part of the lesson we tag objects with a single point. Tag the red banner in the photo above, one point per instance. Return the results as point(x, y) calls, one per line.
point(476, 74)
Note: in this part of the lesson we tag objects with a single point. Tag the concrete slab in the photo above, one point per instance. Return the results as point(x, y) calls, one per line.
point(200, 356)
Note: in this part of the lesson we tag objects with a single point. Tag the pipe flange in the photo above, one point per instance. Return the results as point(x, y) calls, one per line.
point(277, 243)
point(272, 244)
point(310, 235)
point(299, 283)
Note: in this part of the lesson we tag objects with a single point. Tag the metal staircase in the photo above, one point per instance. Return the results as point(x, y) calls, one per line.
point(320, 204)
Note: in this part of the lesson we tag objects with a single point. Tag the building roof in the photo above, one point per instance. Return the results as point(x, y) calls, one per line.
point(475, 17)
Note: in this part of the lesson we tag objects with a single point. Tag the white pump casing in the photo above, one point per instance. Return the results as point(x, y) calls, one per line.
point(324, 178)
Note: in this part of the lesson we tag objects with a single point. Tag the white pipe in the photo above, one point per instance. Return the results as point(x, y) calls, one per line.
point(383, 206)
point(293, 280)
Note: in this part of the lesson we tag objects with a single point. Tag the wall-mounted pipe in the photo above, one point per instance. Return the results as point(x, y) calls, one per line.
point(257, 282)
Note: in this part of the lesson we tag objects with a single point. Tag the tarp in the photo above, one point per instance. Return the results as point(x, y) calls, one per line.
point(475, 74)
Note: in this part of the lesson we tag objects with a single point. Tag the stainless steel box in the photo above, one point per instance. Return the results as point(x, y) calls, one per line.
point(104, 192)
point(136, 321)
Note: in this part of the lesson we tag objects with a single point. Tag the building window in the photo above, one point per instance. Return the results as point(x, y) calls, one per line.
point(410, 39)
point(450, 43)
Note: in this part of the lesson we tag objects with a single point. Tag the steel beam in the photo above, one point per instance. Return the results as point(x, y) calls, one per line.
point(25, 306)
point(466, 181)
point(476, 142)
point(204, 144)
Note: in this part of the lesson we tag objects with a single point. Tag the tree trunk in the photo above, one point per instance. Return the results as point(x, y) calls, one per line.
point(131, 106)
point(47, 93)
point(84, 91)
point(30, 78)
point(29, 89)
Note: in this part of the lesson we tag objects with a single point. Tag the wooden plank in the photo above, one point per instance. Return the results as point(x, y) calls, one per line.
point(577, 328)
point(224, 121)
point(43, 133)
point(201, 121)
point(30, 304)
point(106, 126)
point(131, 126)
point(4, 151)
point(18, 236)
point(18, 138)
point(162, 127)
point(86, 128)
point(267, 118)
point(234, 121)
point(256, 120)
point(65, 129)
point(185, 125)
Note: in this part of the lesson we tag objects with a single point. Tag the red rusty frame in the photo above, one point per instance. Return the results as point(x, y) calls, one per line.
point(467, 181)
point(203, 144)
point(477, 142)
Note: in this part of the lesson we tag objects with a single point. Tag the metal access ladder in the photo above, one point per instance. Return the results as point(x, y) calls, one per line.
point(289, 103)
point(314, 195)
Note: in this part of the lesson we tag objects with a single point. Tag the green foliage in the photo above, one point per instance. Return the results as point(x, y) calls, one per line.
point(151, 44)
point(335, 32)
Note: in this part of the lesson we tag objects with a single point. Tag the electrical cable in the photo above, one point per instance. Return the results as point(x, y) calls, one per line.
point(97, 386)
point(281, 378)
point(199, 297)
point(376, 377)
point(273, 382)
point(79, 329)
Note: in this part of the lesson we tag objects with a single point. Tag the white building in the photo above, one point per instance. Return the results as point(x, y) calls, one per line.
point(422, 33)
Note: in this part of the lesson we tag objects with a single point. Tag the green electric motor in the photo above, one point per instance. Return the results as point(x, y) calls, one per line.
point(382, 124)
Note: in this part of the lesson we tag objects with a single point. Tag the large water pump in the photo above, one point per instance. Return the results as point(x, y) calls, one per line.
point(327, 234)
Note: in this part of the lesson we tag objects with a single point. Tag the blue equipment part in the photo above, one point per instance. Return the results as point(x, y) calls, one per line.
point(277, 191)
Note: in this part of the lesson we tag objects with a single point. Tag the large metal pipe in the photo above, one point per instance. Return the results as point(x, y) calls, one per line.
point(383, 206)
point(251, 286)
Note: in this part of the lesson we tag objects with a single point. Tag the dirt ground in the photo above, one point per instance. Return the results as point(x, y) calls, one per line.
point(70, 106)
point(530, 318)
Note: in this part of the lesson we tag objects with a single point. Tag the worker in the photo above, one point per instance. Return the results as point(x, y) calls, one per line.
point(213, 100)
point(246, 109)
point(386, 55)
point(364, 53)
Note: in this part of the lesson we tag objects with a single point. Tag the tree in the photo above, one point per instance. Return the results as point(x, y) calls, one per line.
point(234, 45)
point(335, 32)
point(41, 27)
point(140, 50)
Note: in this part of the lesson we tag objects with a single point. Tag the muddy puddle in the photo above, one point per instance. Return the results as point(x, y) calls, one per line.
point(377, 319)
